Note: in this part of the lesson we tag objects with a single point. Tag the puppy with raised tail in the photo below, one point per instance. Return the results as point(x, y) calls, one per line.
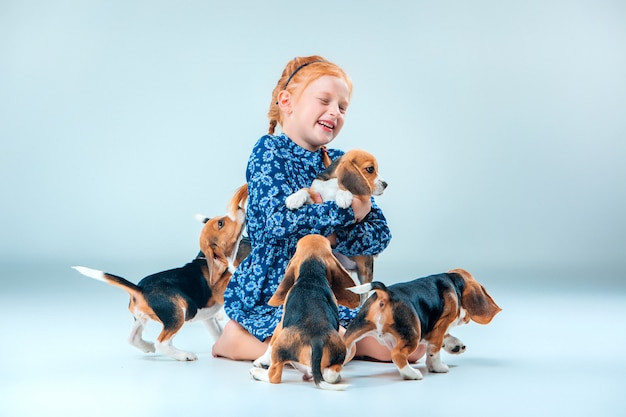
point(308, 333)
point(352, 175)
point(192, 292)
point(403, 315)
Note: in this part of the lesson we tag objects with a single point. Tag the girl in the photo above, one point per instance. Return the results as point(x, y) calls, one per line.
point(309, 103)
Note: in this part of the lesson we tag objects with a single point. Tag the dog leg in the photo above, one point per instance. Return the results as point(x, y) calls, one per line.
point(305, 370)
point(166, 347)
point(265, 360)
point(213, 326)
point(135, 338)
point(399, 357)
point(433, 359)
point(452, 345)
point(275, 372)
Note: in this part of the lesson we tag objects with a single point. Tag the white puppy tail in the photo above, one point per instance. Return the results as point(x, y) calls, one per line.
point(91, 273)
point(109, 279)
point(201, 218)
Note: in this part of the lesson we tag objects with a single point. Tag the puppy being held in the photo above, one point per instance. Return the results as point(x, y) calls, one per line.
point(192, 292)
point(423, 310)
point(308, 333)
point(352, 175)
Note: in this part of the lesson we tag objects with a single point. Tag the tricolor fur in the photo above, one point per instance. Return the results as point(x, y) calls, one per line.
point(403, 315)
point(192, 292)
point(308, 333)
point(352, 175)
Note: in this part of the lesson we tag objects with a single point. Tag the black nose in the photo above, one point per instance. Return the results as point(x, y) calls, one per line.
point(384, 184)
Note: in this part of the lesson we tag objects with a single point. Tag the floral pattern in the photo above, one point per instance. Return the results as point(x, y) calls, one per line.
point(278, 167)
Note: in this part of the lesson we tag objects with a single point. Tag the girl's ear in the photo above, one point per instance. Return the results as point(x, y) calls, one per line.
point(285, 101)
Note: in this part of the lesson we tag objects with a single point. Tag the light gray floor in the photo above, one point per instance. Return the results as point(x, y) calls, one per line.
point(556, 351)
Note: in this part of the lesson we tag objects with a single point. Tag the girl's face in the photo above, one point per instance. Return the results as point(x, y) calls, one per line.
point(316, 117)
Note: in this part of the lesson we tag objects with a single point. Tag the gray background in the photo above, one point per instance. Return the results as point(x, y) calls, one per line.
point(499, 126)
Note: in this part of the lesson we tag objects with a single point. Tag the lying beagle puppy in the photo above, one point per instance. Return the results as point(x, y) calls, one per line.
point(192, 292)
point(403, 315)
point(308, 333)
point(352, 175)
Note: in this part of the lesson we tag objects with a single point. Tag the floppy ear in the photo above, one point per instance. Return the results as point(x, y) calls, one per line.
point(350, 178)
point(217, 263)
point(285, 285)
point(478, 303)
point(340, 280)
point(329, 172)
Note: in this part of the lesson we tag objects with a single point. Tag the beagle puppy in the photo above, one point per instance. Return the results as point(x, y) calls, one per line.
point(192, 292)
point(352, 175)
point(403, 315)
point(308, 333)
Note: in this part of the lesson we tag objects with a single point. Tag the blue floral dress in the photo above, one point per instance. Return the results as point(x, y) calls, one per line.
point(278, 167)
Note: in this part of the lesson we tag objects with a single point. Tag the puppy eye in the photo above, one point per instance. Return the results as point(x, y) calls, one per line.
point(220, 224)
point(370, 170)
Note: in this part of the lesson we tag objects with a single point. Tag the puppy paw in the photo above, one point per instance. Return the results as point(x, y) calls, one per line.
point(344, 198)
point(408, 372)
point(439, 368)
point(146, 347)
point(259, 374)
point(330, 376)
point(259, 363)
point(186, 356)
point(297, 199)
point(452, 345)
point(434, 363)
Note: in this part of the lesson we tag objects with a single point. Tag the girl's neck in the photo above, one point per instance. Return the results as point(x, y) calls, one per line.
point(303, 143)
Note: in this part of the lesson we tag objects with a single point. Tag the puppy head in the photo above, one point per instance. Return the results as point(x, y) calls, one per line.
point(318, 247)
point(476, 300)
point(357, 172)
point(220, 236)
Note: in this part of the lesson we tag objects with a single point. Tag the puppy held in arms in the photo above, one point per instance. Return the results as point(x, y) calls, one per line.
point(352, 175)
point(308, 333)
point(192, 292)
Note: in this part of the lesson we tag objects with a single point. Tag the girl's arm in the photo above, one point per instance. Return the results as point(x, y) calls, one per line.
point(369, 237)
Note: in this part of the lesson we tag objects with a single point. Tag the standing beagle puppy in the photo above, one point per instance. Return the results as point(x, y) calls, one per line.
point(192, 292)
point(308, 333)
point(352, 175)
point(403, 315)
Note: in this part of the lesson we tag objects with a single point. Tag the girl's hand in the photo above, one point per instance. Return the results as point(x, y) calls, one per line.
point(361, 208)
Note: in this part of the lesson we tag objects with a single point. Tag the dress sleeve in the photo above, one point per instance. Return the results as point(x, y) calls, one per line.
point(369, 237)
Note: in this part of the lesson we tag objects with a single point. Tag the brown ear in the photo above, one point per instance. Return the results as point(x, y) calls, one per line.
point(285, 285)
point(350, 178)
point(478, 303)
point(217, 263)
point(339, 280)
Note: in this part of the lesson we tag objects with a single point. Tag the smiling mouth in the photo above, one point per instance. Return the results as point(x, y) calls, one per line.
point(327, 125)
